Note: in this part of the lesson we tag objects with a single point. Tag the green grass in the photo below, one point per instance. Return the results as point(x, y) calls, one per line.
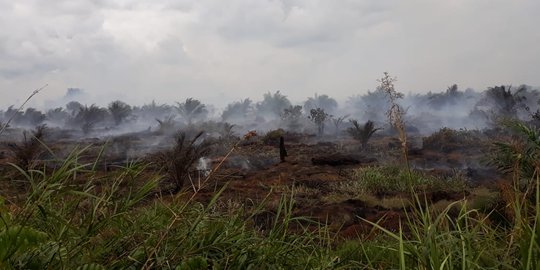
point(394, 179)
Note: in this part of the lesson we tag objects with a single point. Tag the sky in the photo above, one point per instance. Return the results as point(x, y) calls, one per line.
point(221, 51)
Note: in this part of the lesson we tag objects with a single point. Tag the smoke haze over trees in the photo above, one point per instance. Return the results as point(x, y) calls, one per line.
point(424, 113)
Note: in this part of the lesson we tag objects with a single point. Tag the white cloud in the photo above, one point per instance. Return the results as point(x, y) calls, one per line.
point(226, 50)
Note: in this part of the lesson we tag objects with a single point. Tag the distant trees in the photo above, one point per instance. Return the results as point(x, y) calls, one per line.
point(151, 111)
point(323, 101)
point(73, 107)
point(120, 111)
point(451, 96)
point(57, 115)
point(273, 104)
point(30, 117)
point(500, 101)
point(191, 109)
point(33, 117)
point(88, 116)
point(237, 110)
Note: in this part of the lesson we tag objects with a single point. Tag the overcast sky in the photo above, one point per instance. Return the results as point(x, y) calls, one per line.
point(227, 50)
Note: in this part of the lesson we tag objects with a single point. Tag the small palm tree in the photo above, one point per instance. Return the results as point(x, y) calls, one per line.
point(362, 134)
point(179, 160)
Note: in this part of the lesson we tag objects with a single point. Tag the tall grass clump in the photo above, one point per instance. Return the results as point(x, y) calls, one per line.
point(391, 179)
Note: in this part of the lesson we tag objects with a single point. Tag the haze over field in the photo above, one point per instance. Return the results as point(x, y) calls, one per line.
point(223, 51)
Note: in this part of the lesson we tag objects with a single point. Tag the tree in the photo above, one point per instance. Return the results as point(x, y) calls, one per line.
point(318, 116)
point(500, 102)
point(273, 104)
point(323, 101)
point(450, 97)
point(191, 109)
point(57, 115)
point(89, 116)
point(73, 107)
point(119, 111)
point(237, 110)
point(33, 117)
point(291, 117)
point(14, 114)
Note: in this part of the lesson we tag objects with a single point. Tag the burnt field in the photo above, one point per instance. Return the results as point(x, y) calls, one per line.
point(159, 185)
point(333, 179)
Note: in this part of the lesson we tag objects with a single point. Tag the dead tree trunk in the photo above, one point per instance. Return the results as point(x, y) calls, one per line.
point(282, 150)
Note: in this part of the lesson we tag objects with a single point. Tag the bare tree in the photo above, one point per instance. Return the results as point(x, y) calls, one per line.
point(338, 121)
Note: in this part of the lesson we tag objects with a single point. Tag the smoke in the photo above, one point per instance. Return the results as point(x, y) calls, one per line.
point(425, 113)
point(204, 166)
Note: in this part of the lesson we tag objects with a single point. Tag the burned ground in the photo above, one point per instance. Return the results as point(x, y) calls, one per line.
point(326, 175)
